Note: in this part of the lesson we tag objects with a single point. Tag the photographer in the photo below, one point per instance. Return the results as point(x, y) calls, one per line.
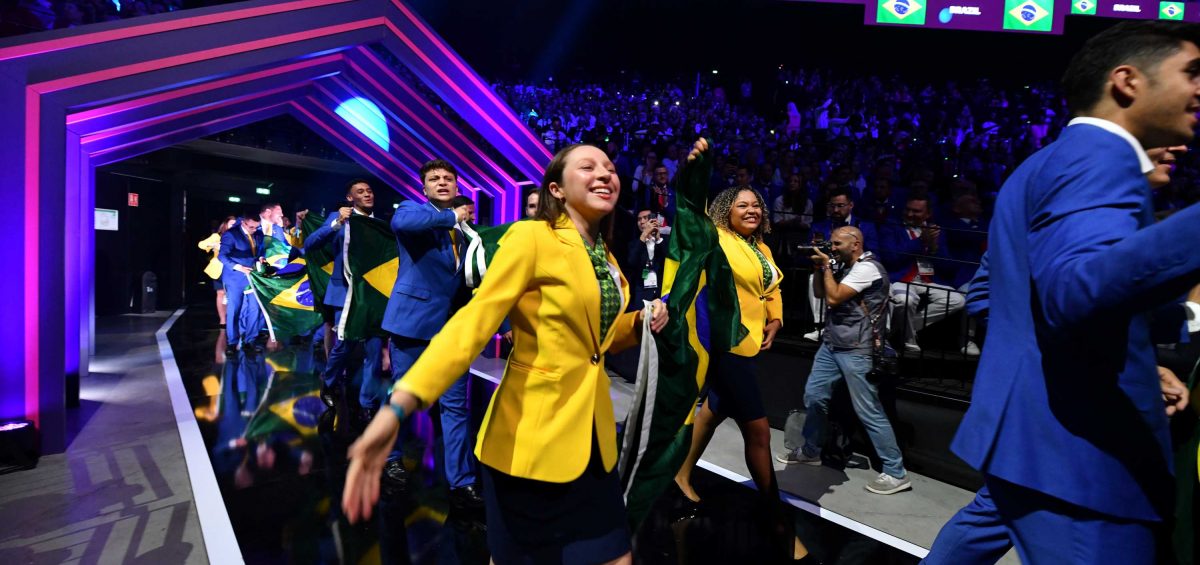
point(857, 298)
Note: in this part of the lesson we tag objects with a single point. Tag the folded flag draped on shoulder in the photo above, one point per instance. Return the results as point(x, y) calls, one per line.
point(704, 318)
point(370, 265)
point(482, 243)
point(319, 261)
point(286, 300)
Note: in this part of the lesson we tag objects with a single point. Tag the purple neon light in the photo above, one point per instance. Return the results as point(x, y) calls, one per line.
point(335, 100)
point(175, 132)
point(113, 109)
point(31, 291)
point(33, 139)
point(379, 168)
point(453, 149)
point(51, 45)
point(174, 116)
point(399, 181)
point(474, 78)
point(437, 70)
point(380, 66)
point(505, 215)
point(197, 56)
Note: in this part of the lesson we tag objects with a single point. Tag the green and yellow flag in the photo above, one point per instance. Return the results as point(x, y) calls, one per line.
point(704, 319)
point(287, 300)
point(370, 263)
point(291, 405)
point(319, 261)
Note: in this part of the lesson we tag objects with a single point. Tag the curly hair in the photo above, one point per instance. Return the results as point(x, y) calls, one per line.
point(722, 205)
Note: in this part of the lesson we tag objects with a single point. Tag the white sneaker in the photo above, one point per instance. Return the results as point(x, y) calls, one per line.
point(887, 484)
point(814, 335)
point(970, 349)
point(795, 456)
point(912, 347)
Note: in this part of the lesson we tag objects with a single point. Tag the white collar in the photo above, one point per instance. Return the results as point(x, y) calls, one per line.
point(1143, 159)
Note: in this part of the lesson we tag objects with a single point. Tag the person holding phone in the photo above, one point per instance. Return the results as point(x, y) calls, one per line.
point(647, 258)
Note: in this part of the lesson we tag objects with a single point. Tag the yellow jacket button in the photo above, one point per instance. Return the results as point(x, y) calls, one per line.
point(595, 359)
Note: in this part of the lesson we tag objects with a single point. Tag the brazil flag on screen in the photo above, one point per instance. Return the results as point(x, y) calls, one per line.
point(1084, 7)
point(909, 12)
point(1170, 11)
point(1029, 15)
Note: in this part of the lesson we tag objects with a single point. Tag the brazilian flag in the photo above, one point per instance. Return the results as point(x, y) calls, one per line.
point(319, 261)
point(291, 405)
point(704, 317)
point(286, 300)
point(277, 250)
point(370, 263)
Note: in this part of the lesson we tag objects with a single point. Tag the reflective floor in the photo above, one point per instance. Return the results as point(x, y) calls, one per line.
point(279, 457)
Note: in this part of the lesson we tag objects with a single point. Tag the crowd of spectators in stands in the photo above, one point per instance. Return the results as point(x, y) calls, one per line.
point(920, 161)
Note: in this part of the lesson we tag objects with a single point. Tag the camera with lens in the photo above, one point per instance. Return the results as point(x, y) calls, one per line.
point(823, 246)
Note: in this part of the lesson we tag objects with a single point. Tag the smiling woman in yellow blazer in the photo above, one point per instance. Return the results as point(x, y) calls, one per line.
point(739, 216)
point(548, 440)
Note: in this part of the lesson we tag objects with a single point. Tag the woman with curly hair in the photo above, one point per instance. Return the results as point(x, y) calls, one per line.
point(740, 217)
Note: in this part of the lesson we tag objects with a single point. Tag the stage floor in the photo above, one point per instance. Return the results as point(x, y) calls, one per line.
point(278, 458)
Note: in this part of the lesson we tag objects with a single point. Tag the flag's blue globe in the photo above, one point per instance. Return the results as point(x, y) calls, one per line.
point(304, 294)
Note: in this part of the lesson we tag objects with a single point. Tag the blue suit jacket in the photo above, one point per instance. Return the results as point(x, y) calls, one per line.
point(898, 252)
point(327, 235)
point(428, 281)
point(1067, 400)
point(235, 250)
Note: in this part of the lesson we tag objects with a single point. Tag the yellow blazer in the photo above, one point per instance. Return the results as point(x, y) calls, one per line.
point(760, 301)
point(540, 421)
point(212, 244)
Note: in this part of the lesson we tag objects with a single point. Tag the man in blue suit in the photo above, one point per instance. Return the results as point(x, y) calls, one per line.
point(241, 250)
point(360, 199)
point(429, 287)
point(914, 253)
point(1067, 420)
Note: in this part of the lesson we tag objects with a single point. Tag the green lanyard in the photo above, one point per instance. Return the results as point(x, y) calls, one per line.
point(768, 273)
point(610, 299)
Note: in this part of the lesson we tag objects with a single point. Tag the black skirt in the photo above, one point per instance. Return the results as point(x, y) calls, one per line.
point(582, 521)
point(733, 388)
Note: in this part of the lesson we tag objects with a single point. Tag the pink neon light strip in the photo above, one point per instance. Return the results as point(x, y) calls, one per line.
point(436, 69)
point(334, 118)
point(380, 66)
point(84, 40)
point(166, 118)
point(500, 105)
point(186, 58)
point(394, 132)
point(334, 100)
point(416, 119)
point(378, 167)
point(230, 118)
point(33, 115)
point(110, 110)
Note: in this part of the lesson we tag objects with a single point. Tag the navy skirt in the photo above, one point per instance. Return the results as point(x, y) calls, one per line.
point(733, 388)
point(536, 522)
